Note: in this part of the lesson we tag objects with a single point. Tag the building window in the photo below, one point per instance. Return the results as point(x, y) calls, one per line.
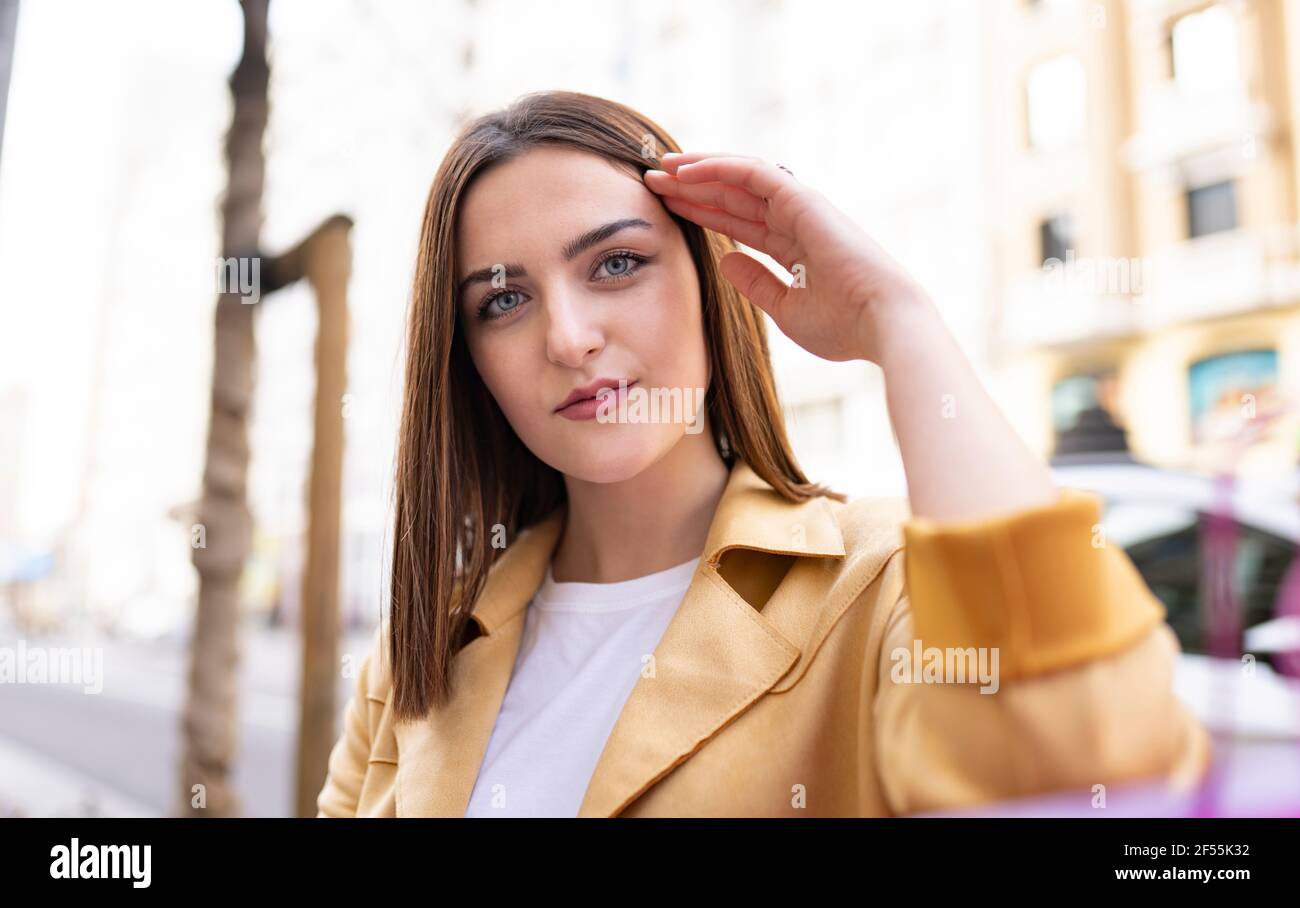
point(1054, 103)
point(1085, 417)
point(1211, 208)
point(1229, 391)
point(1055, 238)
point(1203, 50)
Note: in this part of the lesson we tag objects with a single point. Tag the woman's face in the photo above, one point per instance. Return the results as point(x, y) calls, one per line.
point(569, 271)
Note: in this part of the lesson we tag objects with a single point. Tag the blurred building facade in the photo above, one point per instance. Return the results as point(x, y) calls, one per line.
point(974, 141)
point(1146, 263)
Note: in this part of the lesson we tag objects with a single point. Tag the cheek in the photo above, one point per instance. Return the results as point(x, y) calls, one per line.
point(679, 330)
point(503, 371)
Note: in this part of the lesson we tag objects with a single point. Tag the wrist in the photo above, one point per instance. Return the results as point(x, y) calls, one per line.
point(898, 326)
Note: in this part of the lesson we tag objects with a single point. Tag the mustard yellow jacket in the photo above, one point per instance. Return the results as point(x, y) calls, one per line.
point(780, 687)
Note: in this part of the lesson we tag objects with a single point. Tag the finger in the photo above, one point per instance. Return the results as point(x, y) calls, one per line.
point(759, 177)
point(750, 233)
point(671, 160)
point(732, 199)
point(751, 277)
point(756, 236)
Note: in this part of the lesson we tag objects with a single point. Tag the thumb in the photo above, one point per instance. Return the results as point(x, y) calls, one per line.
point(751, 277)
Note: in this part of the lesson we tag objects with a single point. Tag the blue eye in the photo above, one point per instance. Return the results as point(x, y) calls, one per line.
point(619, 265)
point(508, 301)
point(622, 261)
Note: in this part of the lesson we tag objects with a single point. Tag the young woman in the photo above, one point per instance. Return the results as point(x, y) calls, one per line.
point(610, 602)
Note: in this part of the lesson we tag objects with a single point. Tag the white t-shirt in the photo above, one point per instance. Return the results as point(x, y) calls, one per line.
point(584, 646)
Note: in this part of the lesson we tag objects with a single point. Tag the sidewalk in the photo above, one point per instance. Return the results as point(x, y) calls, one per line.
point(33, 785)
point(67, 752)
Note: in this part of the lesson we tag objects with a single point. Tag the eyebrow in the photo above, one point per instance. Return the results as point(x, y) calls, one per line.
point(572, 249)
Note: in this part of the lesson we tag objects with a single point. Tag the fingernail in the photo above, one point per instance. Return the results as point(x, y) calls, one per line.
point(659, 172)
point(673, 154)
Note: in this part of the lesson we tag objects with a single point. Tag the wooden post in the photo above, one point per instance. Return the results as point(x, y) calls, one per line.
point(324, 258)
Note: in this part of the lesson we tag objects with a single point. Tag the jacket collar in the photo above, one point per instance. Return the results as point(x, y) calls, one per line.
point(718, 655)
point(749, 515)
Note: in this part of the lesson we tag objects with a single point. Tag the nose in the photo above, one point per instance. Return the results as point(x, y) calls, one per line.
point(573, 332)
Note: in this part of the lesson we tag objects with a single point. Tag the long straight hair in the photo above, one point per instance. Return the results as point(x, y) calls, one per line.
point(460, 467)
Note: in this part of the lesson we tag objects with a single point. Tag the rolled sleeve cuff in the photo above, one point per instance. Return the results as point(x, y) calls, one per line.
point(1042, 584)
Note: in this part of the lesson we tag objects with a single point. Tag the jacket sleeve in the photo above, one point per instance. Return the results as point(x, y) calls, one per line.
point(349, 758)
point(1078, 688)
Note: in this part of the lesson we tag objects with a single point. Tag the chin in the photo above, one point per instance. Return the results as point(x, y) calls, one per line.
point(618, 456)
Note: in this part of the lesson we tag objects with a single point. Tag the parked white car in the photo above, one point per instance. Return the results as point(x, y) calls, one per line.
point(1157, 516)
point(1252, 711)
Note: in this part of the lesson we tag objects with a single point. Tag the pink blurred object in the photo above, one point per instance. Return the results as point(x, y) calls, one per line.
point(1261, 779)
point(1288, 606)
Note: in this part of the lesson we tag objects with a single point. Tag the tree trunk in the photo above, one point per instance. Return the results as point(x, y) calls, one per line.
point(222, 539)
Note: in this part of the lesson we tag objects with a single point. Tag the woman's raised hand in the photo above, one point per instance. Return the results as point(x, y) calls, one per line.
point(846, 291)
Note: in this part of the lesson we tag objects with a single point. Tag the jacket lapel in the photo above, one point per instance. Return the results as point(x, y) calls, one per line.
point(716, 658)
point(718, 655)
point(439, 755)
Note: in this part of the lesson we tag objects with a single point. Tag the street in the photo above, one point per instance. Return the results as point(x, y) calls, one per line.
point(69, 753)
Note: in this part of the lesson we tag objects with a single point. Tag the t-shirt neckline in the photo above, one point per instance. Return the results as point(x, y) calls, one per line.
point(613, 596)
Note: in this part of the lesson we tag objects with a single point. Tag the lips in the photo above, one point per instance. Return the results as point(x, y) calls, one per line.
point(590, 390)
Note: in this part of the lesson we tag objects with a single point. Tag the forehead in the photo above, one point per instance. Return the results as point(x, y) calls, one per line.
point(528, 207)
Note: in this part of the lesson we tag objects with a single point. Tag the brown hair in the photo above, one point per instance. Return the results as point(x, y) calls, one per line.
point(460, 467)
